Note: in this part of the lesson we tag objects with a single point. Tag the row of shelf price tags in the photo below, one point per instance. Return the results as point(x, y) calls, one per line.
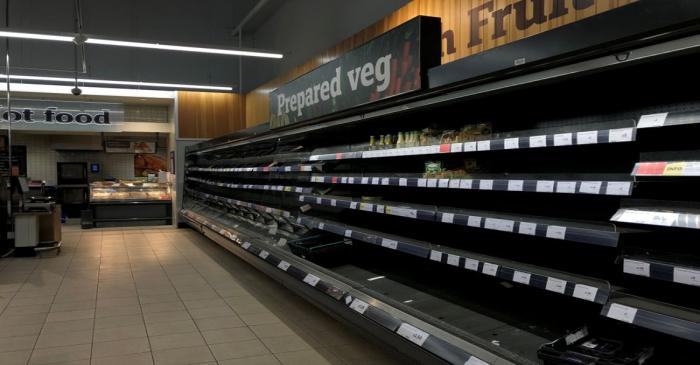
point(681, 275)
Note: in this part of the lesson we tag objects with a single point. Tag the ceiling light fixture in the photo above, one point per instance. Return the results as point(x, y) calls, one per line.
point(89, 91)
point(146, 45)
point(44, 37)
point(172, 47)
point(116, 82)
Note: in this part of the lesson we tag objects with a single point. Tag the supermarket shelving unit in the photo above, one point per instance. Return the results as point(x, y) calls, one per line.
point(583, 211)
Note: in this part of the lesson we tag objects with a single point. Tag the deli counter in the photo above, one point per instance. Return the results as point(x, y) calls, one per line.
point(128, 203)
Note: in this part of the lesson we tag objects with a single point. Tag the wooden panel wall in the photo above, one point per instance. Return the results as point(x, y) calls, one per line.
point(455, 15)
point(209, 115)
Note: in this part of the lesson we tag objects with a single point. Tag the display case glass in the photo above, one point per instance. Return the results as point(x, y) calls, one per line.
point(103, 191)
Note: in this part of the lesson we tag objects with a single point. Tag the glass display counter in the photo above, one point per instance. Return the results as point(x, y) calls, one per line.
point(128, 203)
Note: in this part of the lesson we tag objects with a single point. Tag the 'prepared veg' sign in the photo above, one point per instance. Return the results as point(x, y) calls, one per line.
point(389, 65)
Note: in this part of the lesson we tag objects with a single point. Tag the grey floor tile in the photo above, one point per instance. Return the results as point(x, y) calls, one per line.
point(144, 358)
point(162, 307)
point(73, 306)
point(304, 357)
point(212, 312)
point(120, 347)
point(254, 360)
point(239, 349)
point(183, 356)
point(68, 326)
point(102, 312)
point(285, 344)
point(219, 323)
point(204, 303)
point(178, 340)
point(70, 315)
point(65, 338)
point(118, 321)
point(162, 328)
point(21, 330)
point(166, 316)
point(15, 357)
point(272, 330)
point(60, 354)
point(260, 318)
point(8, 344)
point(228, 335)
point(119, 333)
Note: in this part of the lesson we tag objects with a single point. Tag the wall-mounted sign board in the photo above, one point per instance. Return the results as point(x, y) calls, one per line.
point(392, 64)
point(62, 115)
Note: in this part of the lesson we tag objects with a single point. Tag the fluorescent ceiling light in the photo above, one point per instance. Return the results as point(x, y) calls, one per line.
point(376, 278)
point(147, 45)
point(115, 82)
point(89, 91)
point(45, 37)
point(171, 47)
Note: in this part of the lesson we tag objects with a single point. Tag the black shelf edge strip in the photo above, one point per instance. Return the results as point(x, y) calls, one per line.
point(653, 320)
point(476, 263)
point(661, 218)
point(282, 188)
point(660, 270)
point(524, 226)
point(433, 344)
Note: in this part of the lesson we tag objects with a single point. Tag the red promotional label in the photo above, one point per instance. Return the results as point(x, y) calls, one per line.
point(651, 168)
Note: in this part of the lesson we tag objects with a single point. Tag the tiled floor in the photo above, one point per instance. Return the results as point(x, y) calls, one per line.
point(163, 296)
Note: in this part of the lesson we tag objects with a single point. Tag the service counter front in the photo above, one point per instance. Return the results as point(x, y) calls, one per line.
point(128, 203)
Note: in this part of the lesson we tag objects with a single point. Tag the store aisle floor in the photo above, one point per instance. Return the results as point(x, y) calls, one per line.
point(163, 296)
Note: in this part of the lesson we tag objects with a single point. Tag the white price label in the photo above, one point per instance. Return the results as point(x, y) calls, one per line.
point(556, 285)
point(590, 187)
point(334, 202)
point(311, 279)
point(375, 181)
point(351, 180)
point(435, 255)
point(566, 187)
point(403, 182)
point(432, 183)
point(556, 232)
point(454, 183)
point(353, 205)
point(686, 276)
point(283, 265)
point(367, 207)
point(503, 225)
point(444, 183)
point(620, 135)
point(422, 183)
point(648, 217)
point(511, 143)
point(635, 267)
point(412, 334)
point(618, 188)
point(527, 228)
point(452, 260)
point(448, 218)
point(391, 244)
point(515, 185)
point(522, 277)
point(471, 264)
point(364, 181)
point(348, 233)
point(321, 226)
point(380, 209)
point(563, 139)
point(589, 137)
point(385, 181)
point(469, 146)
point(465, 184)
point(652, 120)
point(483, 145)
point(622, 313)
point(545, 186)
point(474, 221)
point(486, 184)
point(456, 147)
point(245, 245)
point(585, 292)
point(402, 212)
point(288, 168)
point(319, 200)
point(344, 180)
point(489, 269)
point(538, 141)
point(475, 361)
point(264, 254)
point(359, 306)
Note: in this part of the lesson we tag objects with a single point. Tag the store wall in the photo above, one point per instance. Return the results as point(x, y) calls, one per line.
point(462, 34)
point(209, 115)
point(42, 159)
